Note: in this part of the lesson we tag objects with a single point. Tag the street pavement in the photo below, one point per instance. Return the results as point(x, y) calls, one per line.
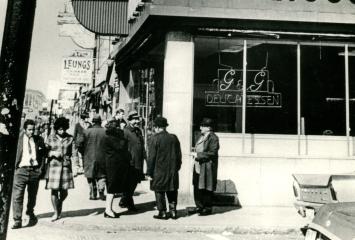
point(83, 216)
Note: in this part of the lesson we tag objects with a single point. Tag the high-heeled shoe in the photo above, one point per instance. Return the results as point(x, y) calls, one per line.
point(109, 216)
point(55, 217)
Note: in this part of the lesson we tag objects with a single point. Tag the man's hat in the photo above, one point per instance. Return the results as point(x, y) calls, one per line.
point(84, 115)
point(207, 122)
point(132, 115)
point(161, 122)
point(96, 119)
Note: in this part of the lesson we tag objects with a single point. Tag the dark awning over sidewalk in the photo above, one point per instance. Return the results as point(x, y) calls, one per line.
point(104, 17)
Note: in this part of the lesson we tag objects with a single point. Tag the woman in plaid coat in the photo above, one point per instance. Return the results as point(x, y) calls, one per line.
point(59, 177)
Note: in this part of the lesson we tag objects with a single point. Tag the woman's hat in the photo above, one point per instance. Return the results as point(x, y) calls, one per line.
point(207, 122)
point(161, 122)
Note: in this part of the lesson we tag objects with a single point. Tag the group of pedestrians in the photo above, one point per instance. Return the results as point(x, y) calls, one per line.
point(112, 161)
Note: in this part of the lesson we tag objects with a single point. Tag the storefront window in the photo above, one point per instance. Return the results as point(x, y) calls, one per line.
point(271, 88)
point(323, 90)
point(271, 79)
point(352, 90)
point(218, 83)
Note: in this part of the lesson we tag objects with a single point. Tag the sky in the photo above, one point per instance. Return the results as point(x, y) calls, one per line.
point(3, 4)
point(47, 49)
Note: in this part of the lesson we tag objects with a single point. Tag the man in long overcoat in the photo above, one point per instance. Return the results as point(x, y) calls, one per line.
point(205, 167)
point(94, 159)
point(136, 151)
point(164, 163)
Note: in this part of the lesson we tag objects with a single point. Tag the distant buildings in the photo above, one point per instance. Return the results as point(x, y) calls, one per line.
point(34, 102)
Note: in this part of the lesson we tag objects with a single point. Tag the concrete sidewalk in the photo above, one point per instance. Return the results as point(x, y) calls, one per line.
point(81, 213)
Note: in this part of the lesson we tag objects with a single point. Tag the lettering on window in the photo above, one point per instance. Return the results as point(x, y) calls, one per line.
point(228, 91)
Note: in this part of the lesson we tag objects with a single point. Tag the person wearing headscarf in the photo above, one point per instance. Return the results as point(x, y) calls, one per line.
point(116, 164)
point(59, 176)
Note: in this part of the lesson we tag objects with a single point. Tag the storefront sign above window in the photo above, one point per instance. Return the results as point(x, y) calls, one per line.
point(229, 90)
point(78, 67)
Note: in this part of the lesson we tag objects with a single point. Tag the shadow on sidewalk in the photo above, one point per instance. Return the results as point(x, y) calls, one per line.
point(136, 193)
point(215, 210)
point(76, 213)
point(142, 208)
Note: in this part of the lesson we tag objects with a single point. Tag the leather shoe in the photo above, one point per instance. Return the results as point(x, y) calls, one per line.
point(173, 214)
point(92, 198)
point(102, 196)
point(17, 225)
point(109, 216)
point(161, 215)
point(32, 220)
point(194, 210)
point(205, 212)
point(55, 217)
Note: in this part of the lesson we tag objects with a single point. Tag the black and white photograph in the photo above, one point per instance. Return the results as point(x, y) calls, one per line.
point(177, 119)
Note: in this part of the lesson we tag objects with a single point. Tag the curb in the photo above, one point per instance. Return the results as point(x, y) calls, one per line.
point(114, 226)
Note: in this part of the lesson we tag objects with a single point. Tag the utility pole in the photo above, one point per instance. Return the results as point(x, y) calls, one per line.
point(14, 59)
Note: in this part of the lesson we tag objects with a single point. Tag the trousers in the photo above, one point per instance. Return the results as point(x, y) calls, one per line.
point(203, 198)
point(161, 202)
point(25, 177)
point(96, 185)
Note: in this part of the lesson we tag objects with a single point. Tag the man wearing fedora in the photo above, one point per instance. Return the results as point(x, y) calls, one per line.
point(163, 165)
point(94, 158)
point(136, 150)
point(205, 168)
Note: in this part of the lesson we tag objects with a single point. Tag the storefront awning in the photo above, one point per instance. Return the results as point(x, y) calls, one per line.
point(104, 17)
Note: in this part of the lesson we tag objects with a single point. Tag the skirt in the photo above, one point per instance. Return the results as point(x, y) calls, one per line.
point(60, 175)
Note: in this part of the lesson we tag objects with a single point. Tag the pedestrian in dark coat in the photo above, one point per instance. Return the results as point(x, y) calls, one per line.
point(164, 163)
point(205, 167)
point(117, 164)
point(59, 177)
point(78, 137)
point(94, 159)
point(136, 151)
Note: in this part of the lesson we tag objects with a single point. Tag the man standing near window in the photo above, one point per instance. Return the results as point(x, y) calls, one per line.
point(28, 169)
point(205, 168)
point(164, 163)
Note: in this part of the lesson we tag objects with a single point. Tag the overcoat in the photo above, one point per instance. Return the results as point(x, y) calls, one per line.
point(94, 158)
point(78, 137)
point(164, 162)
point(116, 160)
point(208, 164)
point(136, 152)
